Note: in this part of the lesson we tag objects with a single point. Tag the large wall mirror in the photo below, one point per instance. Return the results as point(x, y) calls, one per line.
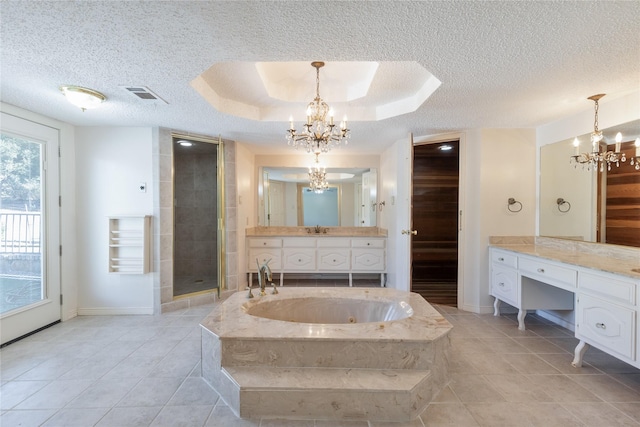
point(589, 205)
point(285, 198)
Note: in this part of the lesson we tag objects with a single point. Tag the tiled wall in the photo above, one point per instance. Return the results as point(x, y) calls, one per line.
point(195, 218)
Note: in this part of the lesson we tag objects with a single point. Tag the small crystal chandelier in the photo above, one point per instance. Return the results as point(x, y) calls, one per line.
point(318, 177)
point(319, 134)
point(595, 157)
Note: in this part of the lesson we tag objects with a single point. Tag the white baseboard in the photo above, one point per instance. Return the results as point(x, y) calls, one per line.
point(69, 315)
point(555, 319)
point(113, 311)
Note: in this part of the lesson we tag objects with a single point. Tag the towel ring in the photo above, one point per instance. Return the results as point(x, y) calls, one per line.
point(512, 202)
point(560, 201)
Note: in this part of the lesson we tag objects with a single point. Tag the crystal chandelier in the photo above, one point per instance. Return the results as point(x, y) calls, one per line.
point(596, 159)
point(319, 134)
point(318, 177)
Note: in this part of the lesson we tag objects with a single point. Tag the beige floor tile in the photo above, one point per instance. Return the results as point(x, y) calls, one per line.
point(631, 409)
point(518, 388)
point(607, 388)
point(497, 414)
point(547, 415)
point(446, 396)
point(447, 414)
point(529, 364)
point(474, 388)
point(539, 345)
point(562, 362)
point(561, 388)
point(598, 414)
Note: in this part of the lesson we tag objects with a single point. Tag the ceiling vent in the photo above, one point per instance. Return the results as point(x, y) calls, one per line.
point(144, 93)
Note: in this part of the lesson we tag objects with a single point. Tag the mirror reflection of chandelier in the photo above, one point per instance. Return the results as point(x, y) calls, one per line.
point(319, 134)
point(596, 159)
point(318, 177)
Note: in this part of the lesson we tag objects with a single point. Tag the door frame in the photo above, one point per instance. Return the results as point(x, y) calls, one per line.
point(18, 323)
point(462, 147)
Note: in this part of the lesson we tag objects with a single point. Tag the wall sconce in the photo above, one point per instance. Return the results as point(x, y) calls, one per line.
point(82, 97)
point(512, 205)
point(561, 202)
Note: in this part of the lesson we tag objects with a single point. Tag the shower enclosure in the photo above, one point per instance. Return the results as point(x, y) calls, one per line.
point(196, 215)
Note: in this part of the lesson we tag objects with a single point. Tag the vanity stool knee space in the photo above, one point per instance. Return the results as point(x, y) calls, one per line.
point(342, 252)
point(601, 289)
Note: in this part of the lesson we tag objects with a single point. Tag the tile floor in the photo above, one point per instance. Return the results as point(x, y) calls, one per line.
point(144, 371)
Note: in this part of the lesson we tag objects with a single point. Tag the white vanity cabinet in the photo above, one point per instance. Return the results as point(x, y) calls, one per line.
point(504, 277)
point(263, 250)
point(606, 305)
point(318, 254)
point(299, 254)
point(606, 314)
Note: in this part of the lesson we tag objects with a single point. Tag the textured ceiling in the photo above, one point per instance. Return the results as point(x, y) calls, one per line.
point(501, 64)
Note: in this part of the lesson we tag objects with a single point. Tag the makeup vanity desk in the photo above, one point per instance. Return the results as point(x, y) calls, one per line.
point(599, 282)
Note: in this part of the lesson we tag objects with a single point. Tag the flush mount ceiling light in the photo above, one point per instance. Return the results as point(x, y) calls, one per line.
point(185, 143)
point(596, 159)
point(82, 97)
point(319, 134)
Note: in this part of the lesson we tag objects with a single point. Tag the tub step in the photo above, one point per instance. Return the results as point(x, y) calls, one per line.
point(348, 394)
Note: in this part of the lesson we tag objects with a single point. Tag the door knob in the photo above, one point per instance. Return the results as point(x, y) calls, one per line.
point(414, 232)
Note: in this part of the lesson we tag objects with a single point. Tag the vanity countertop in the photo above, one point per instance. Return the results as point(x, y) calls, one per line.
point(621, 260)
point(311, 232)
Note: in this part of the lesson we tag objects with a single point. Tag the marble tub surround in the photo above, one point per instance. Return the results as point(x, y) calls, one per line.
point(615, 259)
point(325, 231)
point(376, 371)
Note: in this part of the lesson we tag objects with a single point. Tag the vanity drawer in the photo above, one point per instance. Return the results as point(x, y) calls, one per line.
point(367, 259)
point(299, 259)
point(504, 258)
point(547, 272)
point(607, 287)
point(504, 285)
point(265, 243)
point(331, 242)
point(367, 243)
point(333, 260)
point(299, 242)
point(606, 325)
point(264, 255)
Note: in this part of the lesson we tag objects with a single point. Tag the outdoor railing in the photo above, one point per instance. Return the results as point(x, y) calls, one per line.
point(20, 232)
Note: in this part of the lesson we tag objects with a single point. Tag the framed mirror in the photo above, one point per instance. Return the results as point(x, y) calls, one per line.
point(574, 201)
point(286, 199)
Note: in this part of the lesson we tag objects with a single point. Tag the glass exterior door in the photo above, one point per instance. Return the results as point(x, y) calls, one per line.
point(29, 230)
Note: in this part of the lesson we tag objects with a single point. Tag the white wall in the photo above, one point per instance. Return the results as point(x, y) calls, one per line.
point(507, 168)
point(110, 165)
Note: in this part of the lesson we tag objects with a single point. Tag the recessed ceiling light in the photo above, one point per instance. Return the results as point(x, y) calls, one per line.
point(445, 147)
point(185, 143)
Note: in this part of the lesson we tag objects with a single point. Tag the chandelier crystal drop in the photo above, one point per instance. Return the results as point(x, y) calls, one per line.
point(320, 133)
point(318, 177)
point(595, 160)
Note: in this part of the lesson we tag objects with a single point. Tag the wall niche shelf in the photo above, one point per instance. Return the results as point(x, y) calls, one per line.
point(129, 248)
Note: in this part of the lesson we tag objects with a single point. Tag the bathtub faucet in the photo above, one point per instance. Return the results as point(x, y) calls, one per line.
point(264, 275)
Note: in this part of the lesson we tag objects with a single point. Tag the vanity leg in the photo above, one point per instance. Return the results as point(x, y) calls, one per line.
point(350, 280)
point(496, 307)
point(281, 278)
point(382, 280)
point(521, 314)
point(579, 352)
point(250, 279)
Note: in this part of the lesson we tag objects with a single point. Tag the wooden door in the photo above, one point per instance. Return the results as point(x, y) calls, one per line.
point(435, 218)
point(622, 209)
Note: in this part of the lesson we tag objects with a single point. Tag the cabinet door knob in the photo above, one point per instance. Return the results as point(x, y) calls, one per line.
point(501, 284)
point(500, 259)
point(541, 270)
point(601, 326)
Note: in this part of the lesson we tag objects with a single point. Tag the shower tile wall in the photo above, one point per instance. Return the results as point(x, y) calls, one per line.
point(195, 241)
